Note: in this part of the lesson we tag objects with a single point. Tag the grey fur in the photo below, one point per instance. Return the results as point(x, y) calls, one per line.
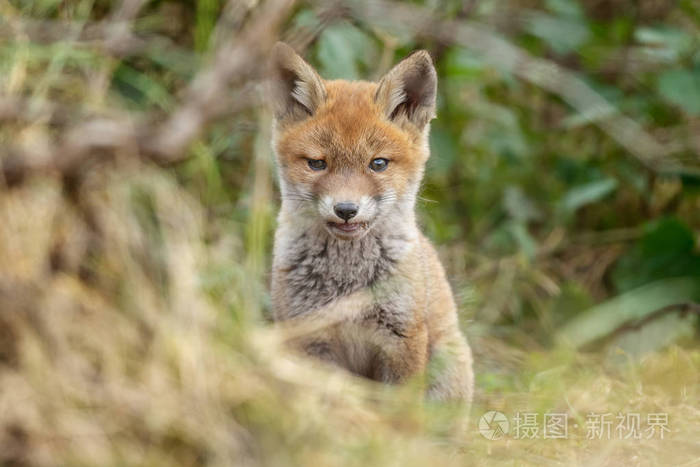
point(324, 269)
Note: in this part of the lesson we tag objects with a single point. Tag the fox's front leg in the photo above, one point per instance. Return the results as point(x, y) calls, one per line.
point(403, 356)
point(450, 374)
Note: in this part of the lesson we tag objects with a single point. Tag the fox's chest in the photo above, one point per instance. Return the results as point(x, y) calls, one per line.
point(317, 271)
point(320, 270)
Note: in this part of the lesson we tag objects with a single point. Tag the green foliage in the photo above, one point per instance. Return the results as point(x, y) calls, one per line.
point(139, 89)
point(667, 249)
point(582, 195)
point(206, 16)
point(564, 32)
point(682, 88)
point(343, 50)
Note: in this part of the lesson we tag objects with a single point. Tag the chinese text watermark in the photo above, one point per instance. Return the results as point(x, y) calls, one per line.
point(496, 425)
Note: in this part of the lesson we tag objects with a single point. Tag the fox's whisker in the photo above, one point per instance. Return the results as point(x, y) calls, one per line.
point(426, 200)
point(298, 197)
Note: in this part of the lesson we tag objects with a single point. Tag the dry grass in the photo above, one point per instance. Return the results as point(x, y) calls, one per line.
point(128, 360)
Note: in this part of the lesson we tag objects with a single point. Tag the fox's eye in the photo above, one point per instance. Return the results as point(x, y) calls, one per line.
point(317, 164)
point(379, 164)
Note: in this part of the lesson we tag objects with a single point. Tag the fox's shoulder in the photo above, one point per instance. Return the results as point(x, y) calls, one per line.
point(433, 266)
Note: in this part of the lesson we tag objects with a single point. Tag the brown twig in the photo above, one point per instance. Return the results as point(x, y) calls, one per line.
point(235, 62)
point(683, 309)
point(112, 36)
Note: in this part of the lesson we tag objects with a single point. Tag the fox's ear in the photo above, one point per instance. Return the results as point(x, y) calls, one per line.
point(296, 90)
point(407, 92)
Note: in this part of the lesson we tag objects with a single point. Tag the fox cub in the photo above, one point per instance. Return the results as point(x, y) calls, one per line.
point(348, 255)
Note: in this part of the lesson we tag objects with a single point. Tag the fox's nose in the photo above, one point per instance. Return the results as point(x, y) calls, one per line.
point(345, 211)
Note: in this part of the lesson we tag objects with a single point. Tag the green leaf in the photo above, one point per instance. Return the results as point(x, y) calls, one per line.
point(562, 34)
point(140, 88)
point(665, 250)
point(463, 63)
point(444, 151)
point(306, 19)
point(567, 8)
point(526, 244)
point(207, 11)
point(342, 48)
point(666, 44)
point(501, 132)
point(588, 193)
point(682, 88)
point(603, 319)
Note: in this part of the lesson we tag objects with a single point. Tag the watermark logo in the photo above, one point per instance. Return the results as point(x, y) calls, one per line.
point(494, 425)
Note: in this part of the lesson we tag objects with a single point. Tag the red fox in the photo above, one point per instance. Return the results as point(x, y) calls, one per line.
point(348, 254)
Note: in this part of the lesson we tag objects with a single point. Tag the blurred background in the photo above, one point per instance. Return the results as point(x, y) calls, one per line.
point(137, 205)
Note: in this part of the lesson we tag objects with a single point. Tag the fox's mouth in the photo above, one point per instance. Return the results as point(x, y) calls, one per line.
point(347, 229)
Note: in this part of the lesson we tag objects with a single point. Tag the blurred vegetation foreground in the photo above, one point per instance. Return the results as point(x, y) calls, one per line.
point(137, 204)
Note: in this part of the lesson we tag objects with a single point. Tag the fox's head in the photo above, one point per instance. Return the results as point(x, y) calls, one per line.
point(351, 154)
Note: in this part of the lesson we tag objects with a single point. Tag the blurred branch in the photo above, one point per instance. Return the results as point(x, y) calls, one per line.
point(14, 108)
point(113, 36)
point(543, 73)
point(119, 26)
point(300, 37)
point(77, 146)
point(235, 62)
